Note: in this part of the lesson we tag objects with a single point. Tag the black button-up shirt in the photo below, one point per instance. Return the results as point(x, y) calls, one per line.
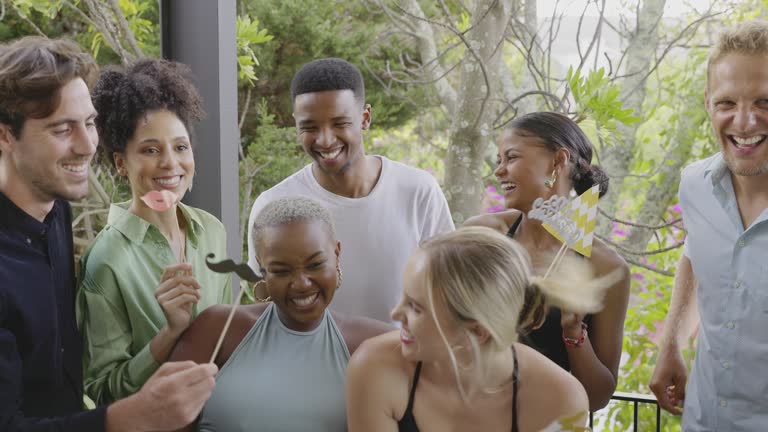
point(41, 378)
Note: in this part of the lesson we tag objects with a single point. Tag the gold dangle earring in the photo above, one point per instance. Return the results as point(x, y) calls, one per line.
point(256, 288)
point(338, 270)
point(550, 182)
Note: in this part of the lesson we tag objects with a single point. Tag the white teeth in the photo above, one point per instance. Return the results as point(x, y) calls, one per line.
point(507, 186)
point(331, 155)
point(169, 181)
point(748, 141)
point(75, 168)
point(306, 301)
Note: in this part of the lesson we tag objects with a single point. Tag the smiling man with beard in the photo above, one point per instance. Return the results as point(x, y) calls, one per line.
point(725, 260)
point(382, 209)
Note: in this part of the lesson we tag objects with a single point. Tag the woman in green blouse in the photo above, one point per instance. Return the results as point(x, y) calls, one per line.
point(144, 278)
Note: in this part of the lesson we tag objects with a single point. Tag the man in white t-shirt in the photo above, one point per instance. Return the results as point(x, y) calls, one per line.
point(382, 209)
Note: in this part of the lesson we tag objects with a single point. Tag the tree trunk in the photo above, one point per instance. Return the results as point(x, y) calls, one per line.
point(616, 160)
point(472, 124)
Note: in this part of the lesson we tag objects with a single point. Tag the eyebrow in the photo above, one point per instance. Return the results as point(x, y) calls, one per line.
point(409, 298)
point(335, 119)
point(507, 152)
point(153, 140)
point(313, 256)
point(57, 123)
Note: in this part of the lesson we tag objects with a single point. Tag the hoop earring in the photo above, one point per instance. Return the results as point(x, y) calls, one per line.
point(266, 299)
point(550, 182)
point(458, 348)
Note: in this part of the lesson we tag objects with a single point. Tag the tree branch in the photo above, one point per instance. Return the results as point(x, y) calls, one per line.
point(647, 267)
point(26, 20)
point(674, 222)
point(429, 53)
point(124, 28)
point(639, 252)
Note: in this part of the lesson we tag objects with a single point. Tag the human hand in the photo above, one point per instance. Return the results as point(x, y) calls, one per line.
point(171, 399)
point(571, 324)
point(177, 293)
point(668, 380)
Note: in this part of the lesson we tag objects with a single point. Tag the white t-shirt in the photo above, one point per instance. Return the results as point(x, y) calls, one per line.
point(378, 232)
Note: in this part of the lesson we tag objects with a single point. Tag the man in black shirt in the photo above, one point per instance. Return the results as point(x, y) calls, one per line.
point(47, 141)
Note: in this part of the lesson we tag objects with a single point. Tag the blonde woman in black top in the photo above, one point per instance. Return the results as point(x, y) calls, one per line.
point(455, 365)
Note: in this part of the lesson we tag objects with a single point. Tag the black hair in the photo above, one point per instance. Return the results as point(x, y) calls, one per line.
point(559, 131)
point(328, 74)
point(122, 97)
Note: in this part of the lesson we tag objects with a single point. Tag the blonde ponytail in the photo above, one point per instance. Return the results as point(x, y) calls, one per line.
point(574, 287)
point(485, 277)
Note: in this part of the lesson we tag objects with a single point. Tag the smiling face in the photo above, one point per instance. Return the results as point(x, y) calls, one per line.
point(300, 262)
point(158, 156)
point(737, 103)
point(524, 165)
point(330, 126)
point(51, 156)
point(419, 335)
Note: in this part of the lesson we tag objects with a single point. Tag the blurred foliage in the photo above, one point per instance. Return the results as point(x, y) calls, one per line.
point(598, 98)
point(248, 35)
point(305, 30)
point(271, 155)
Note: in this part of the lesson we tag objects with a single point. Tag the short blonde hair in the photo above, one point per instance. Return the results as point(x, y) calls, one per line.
point(747, 38)
point(286, 210)
point(486, 277)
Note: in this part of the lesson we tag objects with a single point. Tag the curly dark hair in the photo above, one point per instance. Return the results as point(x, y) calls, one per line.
point(559, 131)
point(32, 71)
point(328, 74)
point(122, 97)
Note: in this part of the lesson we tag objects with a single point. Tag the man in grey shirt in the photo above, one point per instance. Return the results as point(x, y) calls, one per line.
point(723, 274)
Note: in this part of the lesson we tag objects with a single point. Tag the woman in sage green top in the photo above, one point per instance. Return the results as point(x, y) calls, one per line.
point(144, 277)
point(283, 364)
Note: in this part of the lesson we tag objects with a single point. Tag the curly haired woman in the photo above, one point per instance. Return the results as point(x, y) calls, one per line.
point(144, 279)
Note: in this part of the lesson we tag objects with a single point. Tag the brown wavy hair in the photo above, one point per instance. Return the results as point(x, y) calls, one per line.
point(32, 71)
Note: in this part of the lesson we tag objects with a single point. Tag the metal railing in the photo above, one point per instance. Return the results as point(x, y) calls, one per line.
point(636, 399)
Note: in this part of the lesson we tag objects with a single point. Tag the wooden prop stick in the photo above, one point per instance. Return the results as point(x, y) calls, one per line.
point(226, 324)
point(558, 256)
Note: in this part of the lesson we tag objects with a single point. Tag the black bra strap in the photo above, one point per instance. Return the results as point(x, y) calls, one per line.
point(513, 228)
point(514, 390)
point(416, 374)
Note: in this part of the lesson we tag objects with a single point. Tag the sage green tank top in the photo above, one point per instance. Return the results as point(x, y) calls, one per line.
point(280, 380)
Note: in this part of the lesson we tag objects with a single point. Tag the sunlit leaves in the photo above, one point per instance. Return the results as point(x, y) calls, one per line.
point(248, 35)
